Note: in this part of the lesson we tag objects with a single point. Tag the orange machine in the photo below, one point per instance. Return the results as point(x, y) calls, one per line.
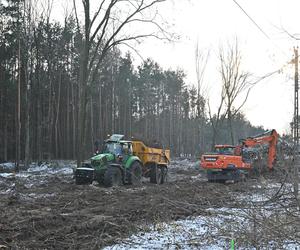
point(270, 138)
point(229, 162)
point(223, 157)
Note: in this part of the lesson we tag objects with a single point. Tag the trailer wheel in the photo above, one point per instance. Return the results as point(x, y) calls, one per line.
point(155, 174)
point(112, 177)
point(164, 174)
point(135, 173)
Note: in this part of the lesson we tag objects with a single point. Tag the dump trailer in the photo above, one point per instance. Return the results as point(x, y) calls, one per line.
point(154, 161)
point(230, 162)
point(124, 162)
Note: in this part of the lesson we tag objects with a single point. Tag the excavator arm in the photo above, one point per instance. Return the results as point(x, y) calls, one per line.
point(270, 138)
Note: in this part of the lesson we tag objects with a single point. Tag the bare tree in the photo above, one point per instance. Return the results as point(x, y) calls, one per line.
point(106, 28)
point(201, 59)
point(217, 119)
point(235, 82)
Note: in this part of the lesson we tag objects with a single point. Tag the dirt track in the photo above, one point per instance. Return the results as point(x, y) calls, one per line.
point(54, 213)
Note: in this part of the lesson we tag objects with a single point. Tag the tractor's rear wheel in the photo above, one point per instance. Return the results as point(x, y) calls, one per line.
point(155, 174)
point(135, 173)
point(112, 177)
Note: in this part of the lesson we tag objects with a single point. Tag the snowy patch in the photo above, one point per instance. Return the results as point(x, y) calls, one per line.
point(201, 232)
point(214, 231)
point(46, 169)
point(7, 175)
point(37, 175)
point(184, 164)
point(182, 234)
point(50, 168)
point(7, 191)
point(7, 167)
point(32, 196)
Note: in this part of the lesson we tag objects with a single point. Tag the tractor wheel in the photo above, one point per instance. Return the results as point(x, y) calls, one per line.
point(164, 174)
point(155, 174)
point(112, 177)
point(135, 173)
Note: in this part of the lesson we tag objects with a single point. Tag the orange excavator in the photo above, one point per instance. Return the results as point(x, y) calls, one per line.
point(230, 162)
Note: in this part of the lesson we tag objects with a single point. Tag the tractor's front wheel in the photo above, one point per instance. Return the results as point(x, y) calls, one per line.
point(112, 177)
point(135, 173)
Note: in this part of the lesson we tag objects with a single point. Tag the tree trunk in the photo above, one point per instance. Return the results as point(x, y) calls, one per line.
point(83, 85)
point(74, 128)
point(57, 117)
point(68, 127)
point(5, 140)
point(230, 127)
point(18, 120)
point(27, 123)
point(100, 121)
point(92, 124)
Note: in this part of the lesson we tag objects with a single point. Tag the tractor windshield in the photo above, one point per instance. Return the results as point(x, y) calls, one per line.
point(225, 150)
point(113, 147)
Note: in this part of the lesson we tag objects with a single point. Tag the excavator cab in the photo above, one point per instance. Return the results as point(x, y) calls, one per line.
point(224, 149)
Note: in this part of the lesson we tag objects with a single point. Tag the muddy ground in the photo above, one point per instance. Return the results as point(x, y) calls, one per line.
point(42, 208)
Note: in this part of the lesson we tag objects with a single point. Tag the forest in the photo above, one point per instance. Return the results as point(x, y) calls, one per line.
point(40, 95)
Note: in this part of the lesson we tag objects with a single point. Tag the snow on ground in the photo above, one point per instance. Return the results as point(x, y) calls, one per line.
point(184, 164)
point(201, 232)
point(181, 234)
point(7, 167)
point(35, 175)
point(215, 230)
point(55, 167)
point(184, 168)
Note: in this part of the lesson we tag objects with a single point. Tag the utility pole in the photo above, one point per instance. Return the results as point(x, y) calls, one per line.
point(296, 127)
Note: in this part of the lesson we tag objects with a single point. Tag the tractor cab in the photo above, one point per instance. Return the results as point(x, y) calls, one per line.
point(120, 148)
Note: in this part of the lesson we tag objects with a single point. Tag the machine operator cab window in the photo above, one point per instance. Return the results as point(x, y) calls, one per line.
point(118, 148)
point(225, 150)
point(127, 148)
point(114, 148)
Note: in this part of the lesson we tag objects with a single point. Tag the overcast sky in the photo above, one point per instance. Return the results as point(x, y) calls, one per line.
point(216, 22)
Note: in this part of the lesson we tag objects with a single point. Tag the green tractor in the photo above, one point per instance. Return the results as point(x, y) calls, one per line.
point(123, 162)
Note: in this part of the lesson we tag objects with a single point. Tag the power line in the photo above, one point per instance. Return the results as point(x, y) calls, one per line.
point(252, 20)
point(260, 29)
point(278, 71)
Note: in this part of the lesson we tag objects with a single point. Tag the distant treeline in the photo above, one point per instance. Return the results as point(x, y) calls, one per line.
point(146, 102)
